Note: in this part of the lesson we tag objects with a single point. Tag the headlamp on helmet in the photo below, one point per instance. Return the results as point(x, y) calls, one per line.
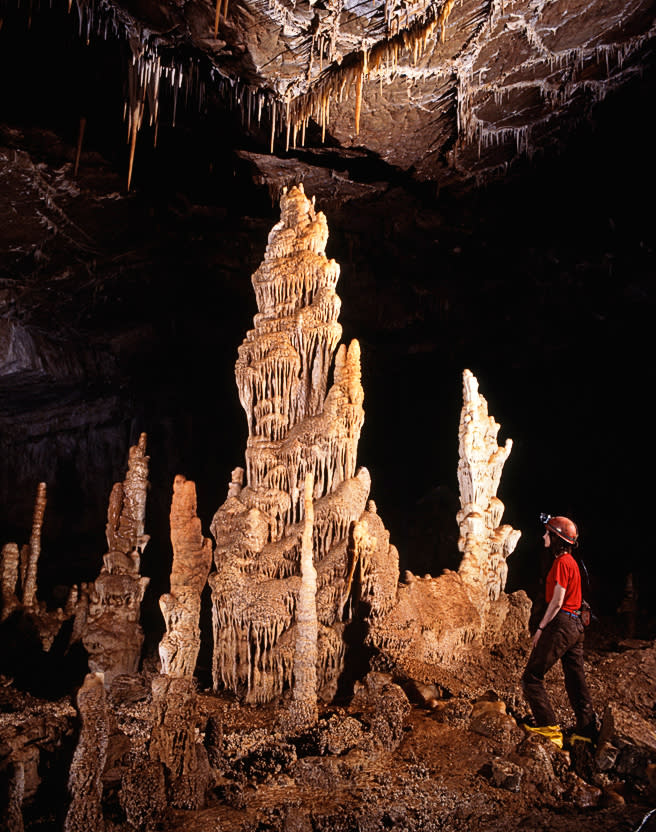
point(563, 527)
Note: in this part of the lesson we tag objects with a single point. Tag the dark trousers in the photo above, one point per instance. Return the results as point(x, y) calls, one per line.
point(562, 639)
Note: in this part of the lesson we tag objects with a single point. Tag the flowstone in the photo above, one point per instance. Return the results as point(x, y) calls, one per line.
point(295, 428)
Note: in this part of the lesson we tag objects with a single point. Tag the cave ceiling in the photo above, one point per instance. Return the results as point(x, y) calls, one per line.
point(449, 92)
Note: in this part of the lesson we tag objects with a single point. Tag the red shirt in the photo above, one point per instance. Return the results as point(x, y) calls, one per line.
point(565, 571)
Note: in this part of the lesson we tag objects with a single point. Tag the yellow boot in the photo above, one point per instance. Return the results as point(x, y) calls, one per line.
point(551, 732)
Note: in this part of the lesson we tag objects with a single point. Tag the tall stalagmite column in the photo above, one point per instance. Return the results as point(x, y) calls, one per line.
point(484, 542)
point(297, 425)
point(304, 701)
point(176, 722)
point(29, 586)
point(111, 631)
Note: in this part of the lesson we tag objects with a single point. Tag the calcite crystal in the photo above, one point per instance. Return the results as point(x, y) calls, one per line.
point(108, 615)
point(484, 542)
point(295, 428)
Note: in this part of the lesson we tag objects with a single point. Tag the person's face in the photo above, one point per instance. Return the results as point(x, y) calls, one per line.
point(547, 539)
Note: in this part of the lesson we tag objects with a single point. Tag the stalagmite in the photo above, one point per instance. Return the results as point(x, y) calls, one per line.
point(297, 426)
point(9, 562)
point(176, 726)
point(192, 559)
point(433, 623)
point(485, 543)
point(29, 586)
point(176, 741)
point(111, 632)
point(18, 581)
point(85, 776)
point(304, 702)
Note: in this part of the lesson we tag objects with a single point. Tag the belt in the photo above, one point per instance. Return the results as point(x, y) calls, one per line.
point(576, 614)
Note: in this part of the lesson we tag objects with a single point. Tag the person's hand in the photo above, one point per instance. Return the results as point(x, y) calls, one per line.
point(536, 638)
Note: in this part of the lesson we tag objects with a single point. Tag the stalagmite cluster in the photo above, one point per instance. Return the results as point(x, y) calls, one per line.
point(295, 428)
point(18, 580)
point(484, 542)
point(107, 618)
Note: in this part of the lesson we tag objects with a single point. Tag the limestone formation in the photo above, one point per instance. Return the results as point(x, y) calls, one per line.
point(484, 542)
point(295, 428)
point(85, 777)
point(192, 559)
point(29, 583)
point(176, 728)
point(111, 632)
point(437, 621)
point(18, 581)
point(176, 741)
point(9, 561)
point(304, 703)
point(18, 567)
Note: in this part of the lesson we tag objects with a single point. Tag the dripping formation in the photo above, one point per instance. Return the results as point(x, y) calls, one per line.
point(341, 72)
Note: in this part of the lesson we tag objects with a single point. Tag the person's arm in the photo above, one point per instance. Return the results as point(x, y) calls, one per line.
point(552, 610)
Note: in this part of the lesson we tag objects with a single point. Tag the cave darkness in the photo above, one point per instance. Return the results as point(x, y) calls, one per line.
point(540, 282)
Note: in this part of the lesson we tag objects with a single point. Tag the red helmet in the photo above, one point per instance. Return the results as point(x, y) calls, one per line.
point(563, 527)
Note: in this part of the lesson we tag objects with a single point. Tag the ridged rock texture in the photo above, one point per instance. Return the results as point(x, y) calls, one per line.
point(85, 777)
point(438, 620)
point(108, 614)
point(484, 542)
point(448, 91)
point(295, 428)
point(176, 728)
point(192, 559)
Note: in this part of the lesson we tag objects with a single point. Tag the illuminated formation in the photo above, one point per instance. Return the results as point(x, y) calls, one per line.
point(176, 724)
point(295, 428)
point(192, 559)
point(439, 620)
point(108, 616)
point(485, 543)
